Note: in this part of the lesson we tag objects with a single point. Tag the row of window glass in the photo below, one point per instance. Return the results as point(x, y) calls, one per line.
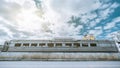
point(56, 45)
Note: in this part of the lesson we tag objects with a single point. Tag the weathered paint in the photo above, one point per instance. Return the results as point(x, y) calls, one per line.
point(101, 46)
point(17, 56)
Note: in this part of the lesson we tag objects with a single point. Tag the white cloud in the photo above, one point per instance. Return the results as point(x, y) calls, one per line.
point(67, 8)
point(21, 19)
point(72, 6)
point(107, 11)
point(114, 35)
point(79, 8)
point(24, 22)
point(98, 28)
point(116, 20)
point(112, 24)
point(109, 25)
point(96, 32)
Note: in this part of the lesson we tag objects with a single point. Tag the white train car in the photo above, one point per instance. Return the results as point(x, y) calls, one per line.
point(59, 50)
point(61, 45)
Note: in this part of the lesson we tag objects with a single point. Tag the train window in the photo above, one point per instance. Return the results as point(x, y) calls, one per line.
point(42, 44)
point(93, 44)
point(26, 44)
point(50, 45)
point(85, 45)
point(68, 44)
point(118, 42)
point(58, 44)
point(34, 44)
point(17, 44)
point(76, 44)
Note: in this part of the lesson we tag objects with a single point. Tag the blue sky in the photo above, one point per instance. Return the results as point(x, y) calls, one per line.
point(36, 19)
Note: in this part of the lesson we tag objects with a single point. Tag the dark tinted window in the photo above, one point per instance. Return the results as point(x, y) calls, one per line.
point(26, 44)
point(50, 45)
point(93, 44)
point(76, 44)
point(85, 45)
point(68, 44)
point(34, 44)
point(58, 44)
point(42, 44)
point(17, 44)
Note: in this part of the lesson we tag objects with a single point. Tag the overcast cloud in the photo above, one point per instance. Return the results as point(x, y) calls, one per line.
point(35, 19)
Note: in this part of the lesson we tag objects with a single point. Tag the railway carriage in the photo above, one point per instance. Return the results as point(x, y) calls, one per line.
point(60, 45)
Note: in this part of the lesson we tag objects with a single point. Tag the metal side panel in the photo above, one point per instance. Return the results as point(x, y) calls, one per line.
point(40, 56)
point(46, 49)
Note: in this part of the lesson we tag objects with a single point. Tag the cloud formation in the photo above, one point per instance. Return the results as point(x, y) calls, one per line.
point(34, 19)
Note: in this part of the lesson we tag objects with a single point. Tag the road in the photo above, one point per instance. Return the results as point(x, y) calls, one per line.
point(59, 64)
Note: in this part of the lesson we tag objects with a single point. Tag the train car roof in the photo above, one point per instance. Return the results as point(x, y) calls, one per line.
point(61, 40)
